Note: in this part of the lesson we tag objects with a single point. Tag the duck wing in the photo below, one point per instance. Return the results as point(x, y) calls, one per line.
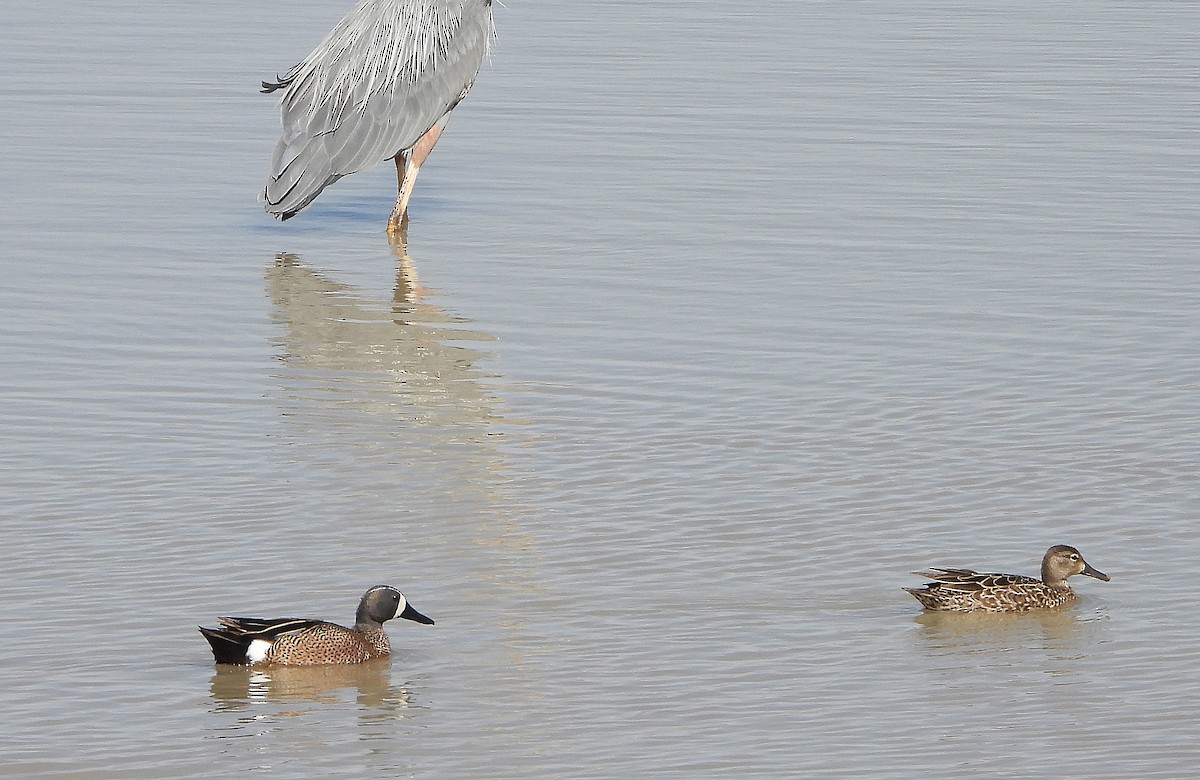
point(970, 580)
point(249, 629)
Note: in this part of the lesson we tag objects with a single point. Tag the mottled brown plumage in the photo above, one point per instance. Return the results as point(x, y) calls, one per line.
point(965, 590)
point(301, 642)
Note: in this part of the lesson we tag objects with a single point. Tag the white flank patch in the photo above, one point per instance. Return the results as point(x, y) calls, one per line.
point(257, 650)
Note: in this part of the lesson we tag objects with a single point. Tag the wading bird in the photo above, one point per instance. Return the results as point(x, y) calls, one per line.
point(380, 86)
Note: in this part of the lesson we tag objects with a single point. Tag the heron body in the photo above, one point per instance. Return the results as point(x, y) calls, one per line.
point(381, 85)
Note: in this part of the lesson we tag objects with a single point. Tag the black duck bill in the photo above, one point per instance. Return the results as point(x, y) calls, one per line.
point(411, 614)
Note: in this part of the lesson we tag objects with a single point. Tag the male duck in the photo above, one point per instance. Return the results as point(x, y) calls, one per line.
point(298, 642)
point(964, 590)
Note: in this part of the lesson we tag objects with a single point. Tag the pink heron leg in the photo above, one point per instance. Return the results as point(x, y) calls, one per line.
point(408, 165)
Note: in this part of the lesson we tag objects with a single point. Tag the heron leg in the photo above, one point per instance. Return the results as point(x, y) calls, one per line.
point(398, 221)
point(408, 165)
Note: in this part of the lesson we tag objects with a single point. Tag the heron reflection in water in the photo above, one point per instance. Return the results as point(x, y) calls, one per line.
point(380, 86)
point(367, 370)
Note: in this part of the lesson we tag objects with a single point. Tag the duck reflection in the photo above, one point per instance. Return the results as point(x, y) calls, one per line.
point(1057, 630)
point(235, 687)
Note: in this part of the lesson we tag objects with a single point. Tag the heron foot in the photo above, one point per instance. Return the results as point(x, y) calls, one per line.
point(397, 226)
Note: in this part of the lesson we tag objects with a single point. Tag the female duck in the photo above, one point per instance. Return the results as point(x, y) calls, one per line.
point(964, 590)
point(299, 642)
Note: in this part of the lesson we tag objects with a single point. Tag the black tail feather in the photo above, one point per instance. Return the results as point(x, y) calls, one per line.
point(226, 648)
point(281, 82)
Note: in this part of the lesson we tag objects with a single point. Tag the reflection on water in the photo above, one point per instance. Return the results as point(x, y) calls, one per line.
point(1060, 631)
point(237, 687)
point(386, 397)
point(393, 384)
point(266, 698)
point(403, 359)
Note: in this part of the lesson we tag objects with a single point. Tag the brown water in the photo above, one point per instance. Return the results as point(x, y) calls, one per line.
point(713, 323)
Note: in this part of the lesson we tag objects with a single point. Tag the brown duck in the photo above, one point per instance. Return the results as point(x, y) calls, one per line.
point(300, 642)
point(964, 590)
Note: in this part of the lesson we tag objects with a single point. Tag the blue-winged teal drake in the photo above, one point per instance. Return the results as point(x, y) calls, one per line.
point(964, 590)
point(298, 642)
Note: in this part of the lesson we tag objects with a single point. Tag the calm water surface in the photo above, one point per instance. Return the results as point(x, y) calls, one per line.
point(714, 322)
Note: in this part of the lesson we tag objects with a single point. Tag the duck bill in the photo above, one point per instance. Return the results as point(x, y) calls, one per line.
point(1089, 571)
point(411, 614)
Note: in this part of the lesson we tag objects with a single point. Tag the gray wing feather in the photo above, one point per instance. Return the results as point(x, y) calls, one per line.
point(371, 89)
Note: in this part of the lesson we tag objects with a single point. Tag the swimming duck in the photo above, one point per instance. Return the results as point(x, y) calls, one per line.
point(299, 642)
point(964, 590)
